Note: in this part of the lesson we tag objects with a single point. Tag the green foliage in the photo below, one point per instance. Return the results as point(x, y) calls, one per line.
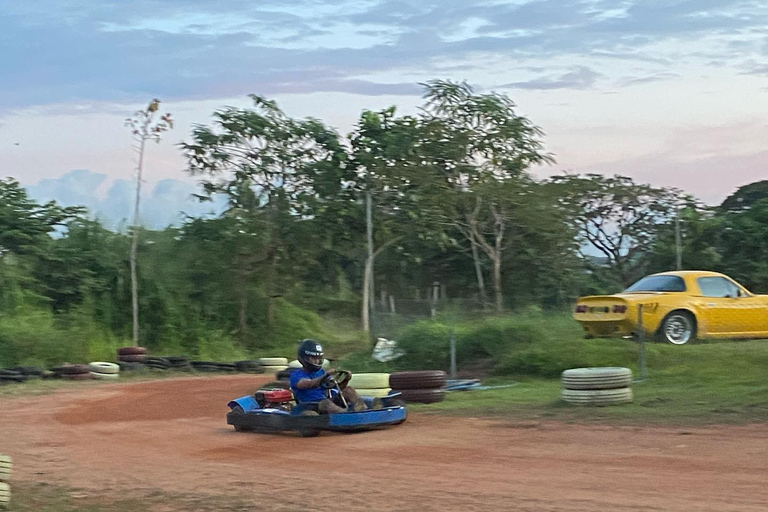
point(38, 337)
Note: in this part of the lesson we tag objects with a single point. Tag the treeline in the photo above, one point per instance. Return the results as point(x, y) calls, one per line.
point(451, 200)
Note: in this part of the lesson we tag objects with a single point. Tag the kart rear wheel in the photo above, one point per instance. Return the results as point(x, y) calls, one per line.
point(309, 432)
point(240, 428)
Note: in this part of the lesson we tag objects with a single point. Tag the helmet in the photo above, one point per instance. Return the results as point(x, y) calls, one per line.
point(310, 355)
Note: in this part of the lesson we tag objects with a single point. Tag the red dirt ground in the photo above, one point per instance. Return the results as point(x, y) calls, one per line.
point(111, 439)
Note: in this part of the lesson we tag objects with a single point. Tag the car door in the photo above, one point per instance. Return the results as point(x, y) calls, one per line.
point(730, 310)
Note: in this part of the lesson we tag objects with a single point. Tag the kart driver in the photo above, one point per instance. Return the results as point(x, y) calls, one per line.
point(306, 382)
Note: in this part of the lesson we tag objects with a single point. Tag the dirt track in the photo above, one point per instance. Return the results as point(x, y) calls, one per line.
point(170, 435)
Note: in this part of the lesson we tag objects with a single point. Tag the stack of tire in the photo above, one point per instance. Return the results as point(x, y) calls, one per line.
point(248, 366)
point(597, 386)
point(371, 384)
point(213, 366)
point(421, 386)
point(178, 363)
point(29, 372)
point(157, 363)
point(131, 358)
point(73, 371)
point(5, 476)
point(102, 370)
point(9, 376)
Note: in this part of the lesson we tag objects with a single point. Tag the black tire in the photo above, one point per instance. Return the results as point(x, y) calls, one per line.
point(678, 328)
point(421, 379)
point(240, 428)
point(424, 396)
point(309, 432)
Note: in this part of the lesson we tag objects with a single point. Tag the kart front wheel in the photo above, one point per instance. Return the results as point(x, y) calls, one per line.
point(240, 428)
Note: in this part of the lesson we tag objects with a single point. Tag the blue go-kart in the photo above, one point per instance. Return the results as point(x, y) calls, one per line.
point(277, 410)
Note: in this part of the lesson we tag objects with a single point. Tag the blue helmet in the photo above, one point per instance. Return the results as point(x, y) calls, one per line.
point(310, 355)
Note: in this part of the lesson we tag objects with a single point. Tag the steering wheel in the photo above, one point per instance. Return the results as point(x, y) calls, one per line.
point(328, 382)
point(331, 381)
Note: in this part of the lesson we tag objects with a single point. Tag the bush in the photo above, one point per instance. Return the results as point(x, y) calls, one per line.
point(36, 337)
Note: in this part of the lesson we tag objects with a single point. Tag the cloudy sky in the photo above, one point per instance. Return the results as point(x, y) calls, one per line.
point(671, 92)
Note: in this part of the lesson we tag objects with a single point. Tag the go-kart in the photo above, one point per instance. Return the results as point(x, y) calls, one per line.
point(277, 410)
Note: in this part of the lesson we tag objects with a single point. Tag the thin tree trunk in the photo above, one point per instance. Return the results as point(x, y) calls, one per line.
point(479, 274)
point(497, 291)
point(368, 295)
point(366, 310)
point(134, 248)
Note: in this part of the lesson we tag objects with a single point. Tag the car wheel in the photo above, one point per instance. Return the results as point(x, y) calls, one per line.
point(678, 328)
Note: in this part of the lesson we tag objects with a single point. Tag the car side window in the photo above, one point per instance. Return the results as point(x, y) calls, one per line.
point(717, 287)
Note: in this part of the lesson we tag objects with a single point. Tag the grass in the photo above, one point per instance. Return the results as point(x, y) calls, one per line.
point(42, 497)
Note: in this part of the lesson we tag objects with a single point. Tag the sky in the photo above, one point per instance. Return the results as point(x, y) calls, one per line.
point(671, 92)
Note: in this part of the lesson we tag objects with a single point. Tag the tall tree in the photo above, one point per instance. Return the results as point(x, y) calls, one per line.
point(275, 172)
point(618, 217)
point(382, 155)
point(479, 151)
point(145, 126)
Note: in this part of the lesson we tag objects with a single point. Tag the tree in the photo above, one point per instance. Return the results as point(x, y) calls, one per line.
point(478, 151)
point(276, 174)
point(382, 149)
point(746, 196)
point(145, 126)
point(616, 216)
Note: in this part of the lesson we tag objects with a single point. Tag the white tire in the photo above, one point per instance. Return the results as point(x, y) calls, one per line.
point(369, 380)
point(597, 378)
point(597, 397)
point(268, 369)
point(5, 493)
point(103, 367)
point(380, 392)
point(104, 376)
point(273, 361)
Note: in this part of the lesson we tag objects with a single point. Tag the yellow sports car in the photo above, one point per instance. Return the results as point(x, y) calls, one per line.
point(677, 307)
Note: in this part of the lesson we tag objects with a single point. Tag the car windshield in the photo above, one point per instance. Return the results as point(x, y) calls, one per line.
point(658, 284)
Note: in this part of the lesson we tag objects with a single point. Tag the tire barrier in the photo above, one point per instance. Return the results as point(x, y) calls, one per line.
point(424, 396)
point(597, 386)
point(5, 494)
point(101, 370)
point(131, 351)
point(131, 358)
point(419, 379)
point(377, 392)
point(422, 386)
point(8, 376)
point(274, 369)
point(6, 464)
point(249, 366)
point(369, 380)
point(103, 367)
point(104, 376)
point(273, 361)
point(127, 366)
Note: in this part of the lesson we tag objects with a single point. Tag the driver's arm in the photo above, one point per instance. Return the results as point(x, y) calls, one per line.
point(310, 383)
